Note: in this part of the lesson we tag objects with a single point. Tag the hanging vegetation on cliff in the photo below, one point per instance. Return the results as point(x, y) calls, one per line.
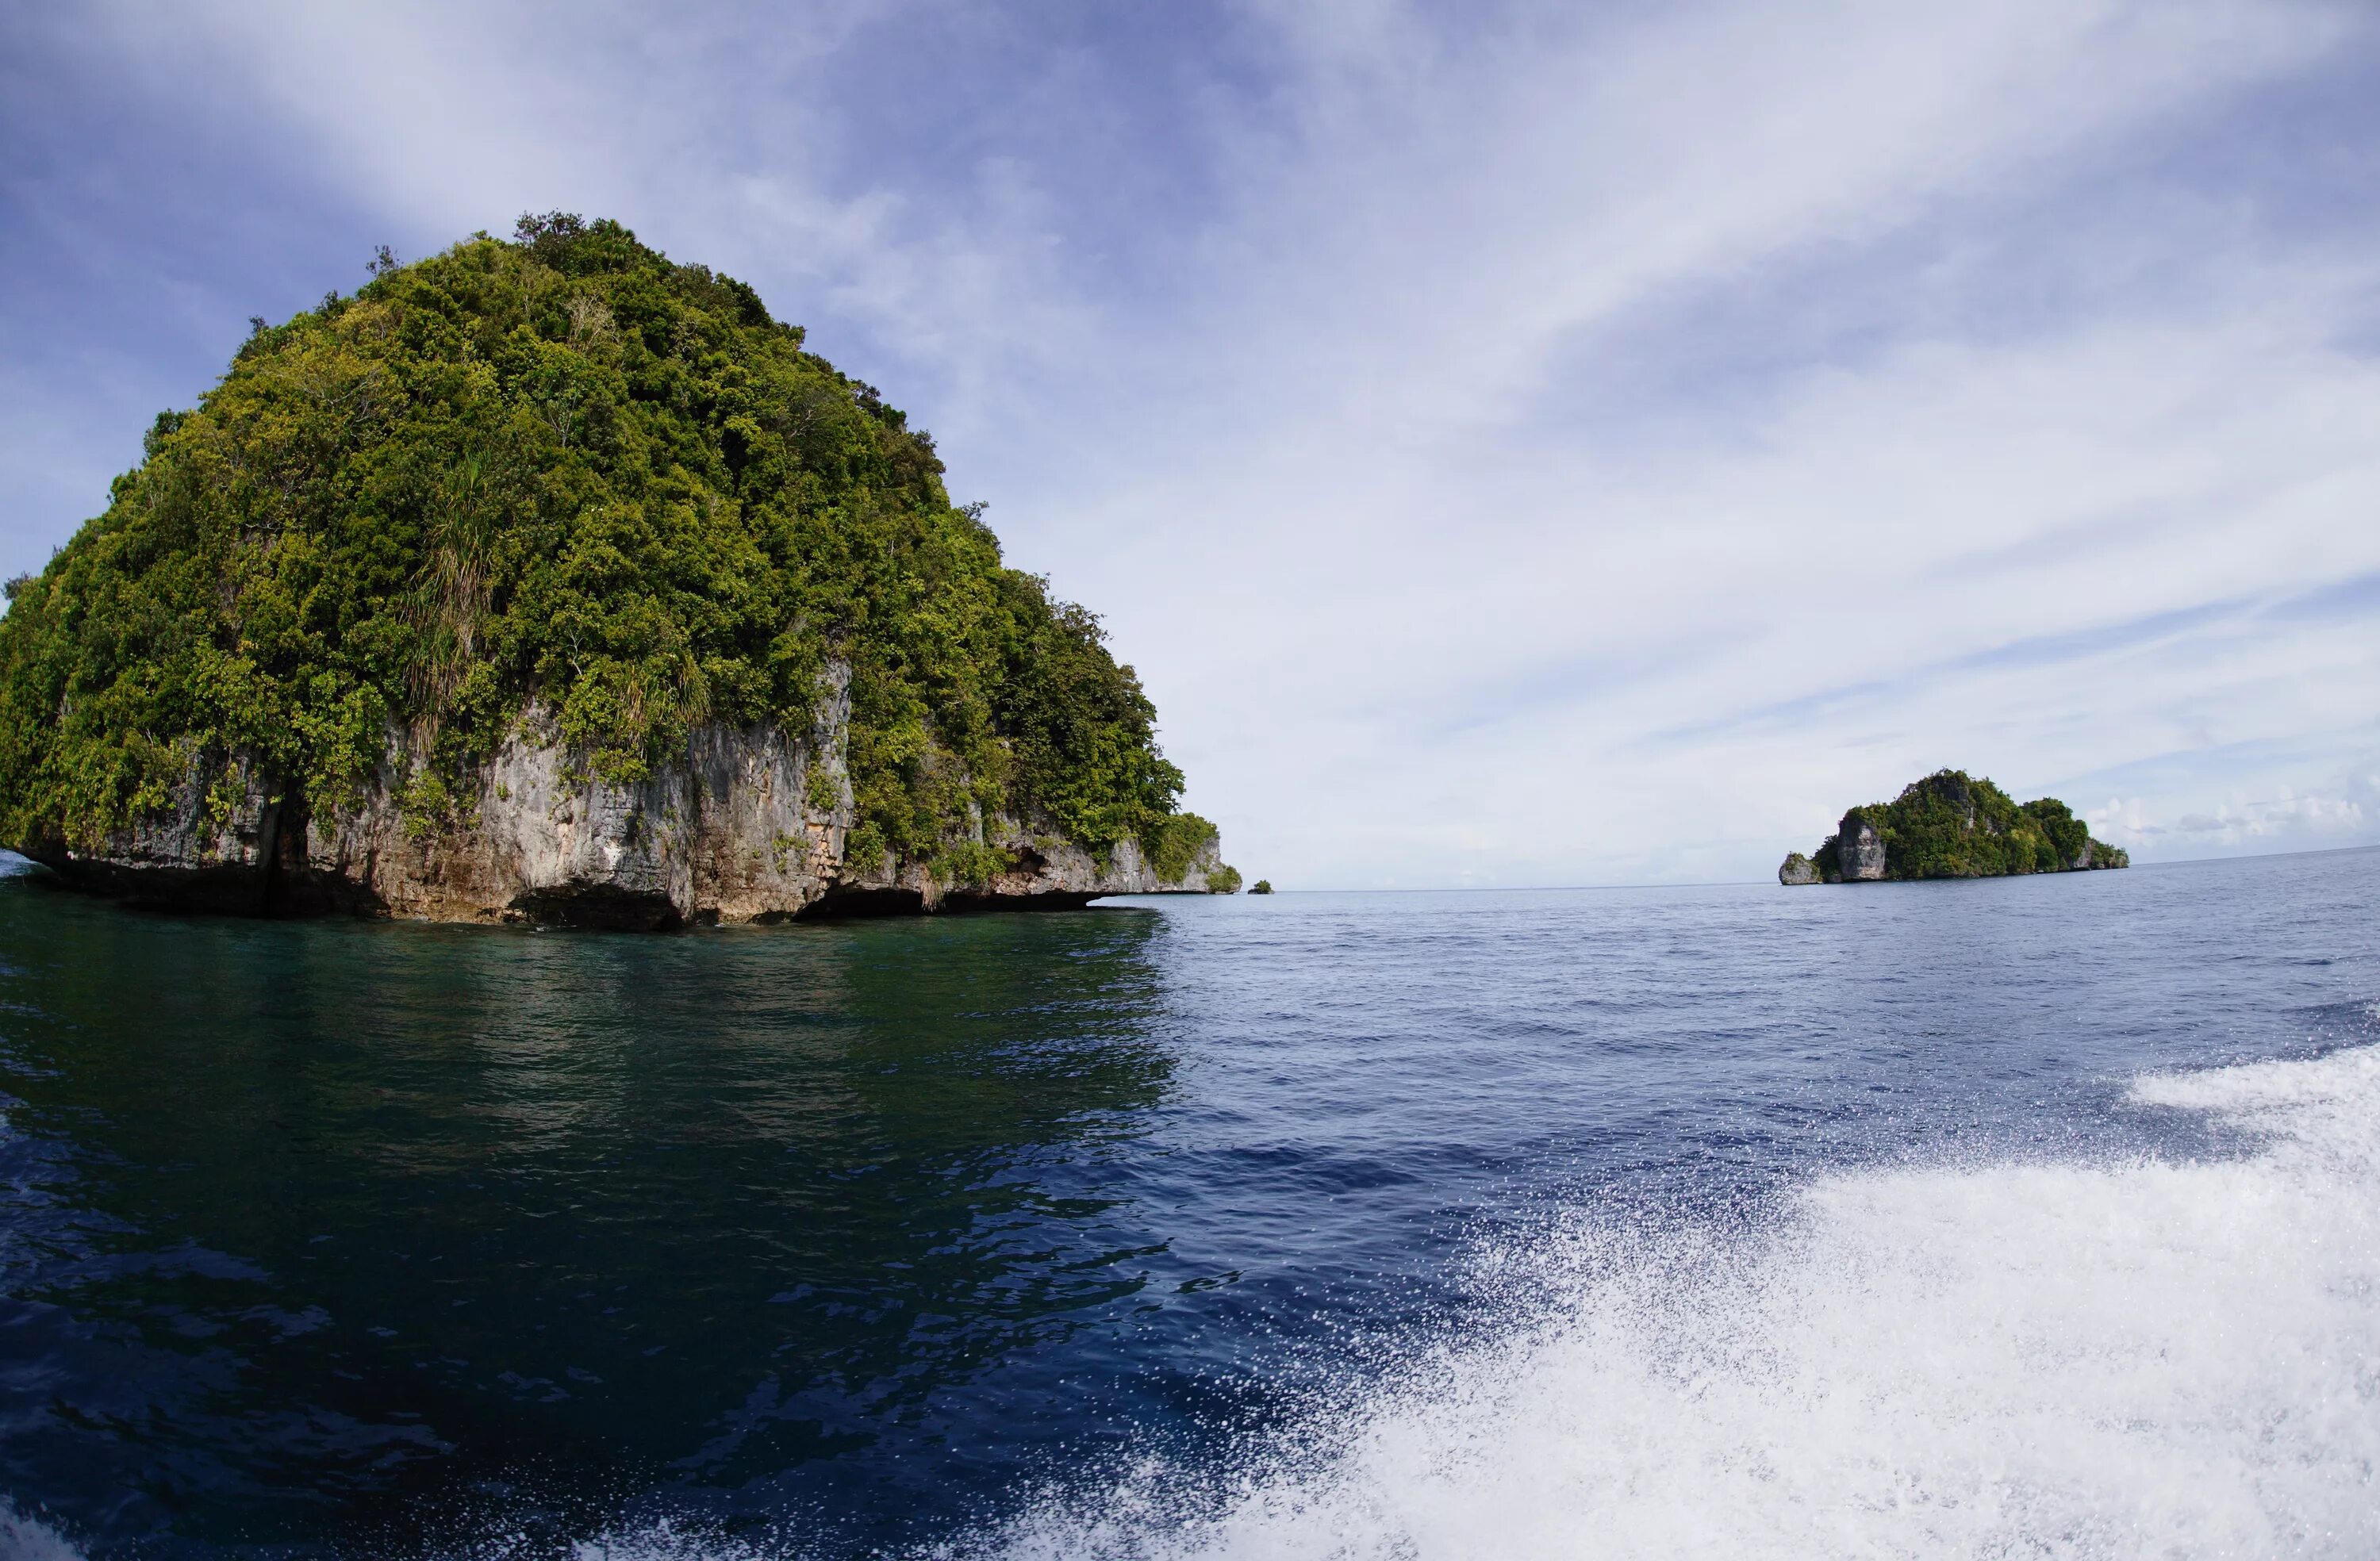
point(560, 469)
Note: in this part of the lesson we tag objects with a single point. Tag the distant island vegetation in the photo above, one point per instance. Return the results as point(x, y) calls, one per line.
point(559, 509)
point(1952, 825)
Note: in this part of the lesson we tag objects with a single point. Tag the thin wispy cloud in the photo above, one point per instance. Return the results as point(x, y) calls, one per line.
point(1520, 444)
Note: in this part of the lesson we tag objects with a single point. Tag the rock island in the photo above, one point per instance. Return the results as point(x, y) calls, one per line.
point(1952, 825)
point(549, 580)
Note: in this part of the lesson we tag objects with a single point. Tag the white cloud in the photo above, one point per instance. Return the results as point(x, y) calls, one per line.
point(1448, 623)
point(2337, 809)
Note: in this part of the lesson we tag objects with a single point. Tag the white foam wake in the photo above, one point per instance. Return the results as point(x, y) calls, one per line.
point(25, 1538)
point(2147, 1358)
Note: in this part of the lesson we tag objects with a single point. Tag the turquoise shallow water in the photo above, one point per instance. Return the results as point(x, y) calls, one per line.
point(1390, 1224)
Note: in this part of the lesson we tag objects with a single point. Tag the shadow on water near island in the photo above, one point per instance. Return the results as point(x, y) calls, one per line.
point(397, 1233)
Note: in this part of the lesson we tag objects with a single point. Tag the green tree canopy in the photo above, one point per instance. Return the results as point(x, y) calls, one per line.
point(559, 468)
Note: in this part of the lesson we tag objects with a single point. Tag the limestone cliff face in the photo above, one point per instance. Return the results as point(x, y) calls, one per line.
point(207, 851)
point(1862, 849)
point(1049, 873)
point(746, 825)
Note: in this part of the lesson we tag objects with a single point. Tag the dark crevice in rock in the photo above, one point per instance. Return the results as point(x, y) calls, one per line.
point(838, 902)
point(966, 900)
point(604, 907)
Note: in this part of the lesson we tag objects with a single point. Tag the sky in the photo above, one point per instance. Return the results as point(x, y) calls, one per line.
point(1515, 444)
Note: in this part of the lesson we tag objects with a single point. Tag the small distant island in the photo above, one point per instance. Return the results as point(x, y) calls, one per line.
point(1952, 825)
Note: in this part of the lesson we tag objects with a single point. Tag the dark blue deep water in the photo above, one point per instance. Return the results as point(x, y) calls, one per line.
point(1394, 1223)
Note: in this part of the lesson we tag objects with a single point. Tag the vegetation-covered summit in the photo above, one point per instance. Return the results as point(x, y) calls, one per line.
point(1952, 825)
point(559, 469)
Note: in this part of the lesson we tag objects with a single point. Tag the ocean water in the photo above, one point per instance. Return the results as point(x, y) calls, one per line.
point(2025, 1218)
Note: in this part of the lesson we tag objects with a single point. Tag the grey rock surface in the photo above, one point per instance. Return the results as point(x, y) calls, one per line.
point(211, 848)
point(1863, 850)
point(746, 825)
point(1798, 869)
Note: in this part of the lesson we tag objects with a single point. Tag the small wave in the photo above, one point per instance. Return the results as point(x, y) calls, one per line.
point(2143, 1359)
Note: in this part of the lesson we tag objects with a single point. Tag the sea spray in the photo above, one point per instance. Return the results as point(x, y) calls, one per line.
point(2146, 1358)
point(25, 1538)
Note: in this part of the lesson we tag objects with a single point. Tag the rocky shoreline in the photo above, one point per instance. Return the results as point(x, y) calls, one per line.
point(747, 825)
